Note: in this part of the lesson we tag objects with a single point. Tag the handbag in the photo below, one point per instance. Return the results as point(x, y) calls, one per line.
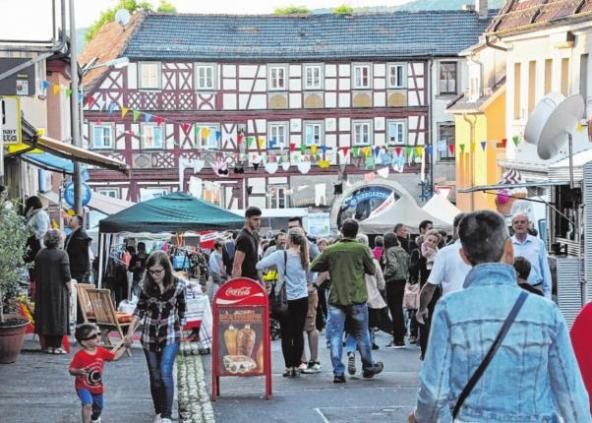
point(411, 296)
point(278, 298)
point(489, 356)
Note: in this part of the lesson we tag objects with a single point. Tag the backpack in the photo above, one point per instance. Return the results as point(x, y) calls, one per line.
point(396, 264)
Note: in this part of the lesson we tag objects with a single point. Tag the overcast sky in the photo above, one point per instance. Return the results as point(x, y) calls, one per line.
point(31, 19)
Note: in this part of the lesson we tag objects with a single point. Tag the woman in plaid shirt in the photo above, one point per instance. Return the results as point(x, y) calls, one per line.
point(161, 311)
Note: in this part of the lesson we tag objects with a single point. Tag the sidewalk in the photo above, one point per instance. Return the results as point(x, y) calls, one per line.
point(38, 388)
point(388, 397)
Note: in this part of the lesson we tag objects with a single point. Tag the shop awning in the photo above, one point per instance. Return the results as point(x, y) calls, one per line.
point(48, 161)
point(70, 152)
point(512, 186)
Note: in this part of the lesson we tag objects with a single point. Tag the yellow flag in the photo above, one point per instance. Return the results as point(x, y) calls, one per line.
point(56, 89)
point(205, 132)
point(313, 149)
point(261, 142)
point(124, 111)
point(419, 151)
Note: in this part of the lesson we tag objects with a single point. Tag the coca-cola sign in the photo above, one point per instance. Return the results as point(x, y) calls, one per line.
point(241, 291)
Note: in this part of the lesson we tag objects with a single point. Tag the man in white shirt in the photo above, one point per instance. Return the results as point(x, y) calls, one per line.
point(533, 249)
point(449, 272)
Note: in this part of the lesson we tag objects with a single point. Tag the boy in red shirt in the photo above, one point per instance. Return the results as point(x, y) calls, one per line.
point(87, 366)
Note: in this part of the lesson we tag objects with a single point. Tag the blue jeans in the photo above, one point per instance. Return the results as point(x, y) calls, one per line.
point(88, 398)
point(162, 387)
point(357, 315)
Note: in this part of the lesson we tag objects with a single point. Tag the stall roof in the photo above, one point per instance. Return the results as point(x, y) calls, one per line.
point(176, 212)
point(512, 186)
point(440, 206)
point(48, 161)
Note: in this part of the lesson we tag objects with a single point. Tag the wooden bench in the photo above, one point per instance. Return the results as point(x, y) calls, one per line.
point(84, 301)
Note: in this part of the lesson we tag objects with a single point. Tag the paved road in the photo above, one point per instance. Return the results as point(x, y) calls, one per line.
point(314, 398)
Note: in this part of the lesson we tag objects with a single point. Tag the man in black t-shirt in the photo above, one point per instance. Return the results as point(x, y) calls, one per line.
point(247, 243)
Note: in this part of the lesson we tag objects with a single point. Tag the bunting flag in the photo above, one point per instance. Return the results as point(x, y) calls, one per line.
point(56, 89)
point(68, 92)
point(366, 151)
point(147, 117)
point(516, 140)
point(250, 141)
point(135, 115)
point(112, 107)
point(398, 151)
point(419, 151)
point(186, 127)
point(292, 147)
point(44, 85)
point(261, 143)
point(324, 150)
point(356, 151)
point(430, 149)
point(344, 150)
point(240, 138)
point(124, 111)
point(376, 151)
point(462, 148)
point(451, 149)
point(483, 145)
point(472, 145)
point(580, 127)
point(90, 100)
point(205, 132)
point(218, 135)
point(159, 120)
point(313, 149)
point(408, 152)
point(504, 142)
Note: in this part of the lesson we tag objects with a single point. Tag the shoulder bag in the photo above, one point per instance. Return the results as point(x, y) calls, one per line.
point(278, 298)
point(489, 356)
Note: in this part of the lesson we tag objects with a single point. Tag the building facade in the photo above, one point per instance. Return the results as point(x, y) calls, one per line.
point(272, 111)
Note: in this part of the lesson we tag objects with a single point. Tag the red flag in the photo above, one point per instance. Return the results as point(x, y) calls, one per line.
point(292, 147)
point(451, 148)
point(90, 100)
point(240, 138)
point(186, 127)
point(504, 142)
point(345, 150)
point(159, 120)
point(398, 150)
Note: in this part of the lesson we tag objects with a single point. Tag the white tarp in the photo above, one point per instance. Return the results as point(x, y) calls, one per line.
point(439, 206)
point(404, 210)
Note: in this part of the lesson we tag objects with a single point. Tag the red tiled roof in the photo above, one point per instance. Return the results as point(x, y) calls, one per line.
point(106, 45)
point(522, 15)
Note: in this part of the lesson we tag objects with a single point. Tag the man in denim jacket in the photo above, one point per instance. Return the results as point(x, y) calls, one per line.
point(533, 376)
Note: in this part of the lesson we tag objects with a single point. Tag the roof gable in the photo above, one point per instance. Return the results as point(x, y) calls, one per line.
point(309, 37)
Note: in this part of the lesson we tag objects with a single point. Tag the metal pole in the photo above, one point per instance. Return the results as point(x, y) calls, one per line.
point(75, 115)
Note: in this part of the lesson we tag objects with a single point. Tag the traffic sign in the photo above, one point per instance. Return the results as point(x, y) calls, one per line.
point(10, 120)
point(86, 194)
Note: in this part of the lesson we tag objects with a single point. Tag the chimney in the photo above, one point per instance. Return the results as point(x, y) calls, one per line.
point(481, 7)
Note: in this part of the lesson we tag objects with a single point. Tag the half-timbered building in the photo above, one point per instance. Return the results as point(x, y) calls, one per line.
point(271, 110)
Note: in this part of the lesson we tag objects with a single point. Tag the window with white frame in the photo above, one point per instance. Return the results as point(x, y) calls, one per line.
point(448, 77)
point(277, 134)
point(278, 197)
point(396, 76)
point(207, 136)
point(277, 77)
point(396, 132)
point(313, 133)
point(152, 136)
point(361, 133)
point(361, 76)
point(149, 75)
point(206, 77)
point(102, 136)
point(313, 77)
point(109, 192)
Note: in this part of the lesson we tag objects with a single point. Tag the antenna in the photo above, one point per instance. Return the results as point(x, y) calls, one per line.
point(122, 17)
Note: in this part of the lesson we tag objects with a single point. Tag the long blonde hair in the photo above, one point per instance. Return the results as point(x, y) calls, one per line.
point(297, 237)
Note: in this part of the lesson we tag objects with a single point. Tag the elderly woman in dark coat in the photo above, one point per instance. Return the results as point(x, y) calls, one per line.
point(52, 269)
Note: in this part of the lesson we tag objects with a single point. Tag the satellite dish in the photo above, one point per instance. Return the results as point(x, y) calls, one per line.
point(122, 17)
point(540, 116)
point(560, 126)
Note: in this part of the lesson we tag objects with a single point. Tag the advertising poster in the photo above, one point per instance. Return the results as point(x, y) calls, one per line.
point(241, 341)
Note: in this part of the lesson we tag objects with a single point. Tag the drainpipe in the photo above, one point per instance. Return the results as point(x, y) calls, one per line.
point(431, 127)
point(488, 43)
point(471, 140)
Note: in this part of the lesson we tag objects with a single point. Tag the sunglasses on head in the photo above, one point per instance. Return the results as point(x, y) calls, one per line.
point(94, 336)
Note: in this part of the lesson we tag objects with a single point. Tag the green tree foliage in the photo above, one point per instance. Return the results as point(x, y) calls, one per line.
point(344, 9)
point(292, 10)
point(166, 7)
point(109, 14)
point(13, 238)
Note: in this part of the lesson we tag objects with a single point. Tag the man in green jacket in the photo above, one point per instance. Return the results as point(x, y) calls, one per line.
point(347, 262)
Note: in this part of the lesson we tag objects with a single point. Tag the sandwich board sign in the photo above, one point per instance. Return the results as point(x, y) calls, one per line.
point(10, 120)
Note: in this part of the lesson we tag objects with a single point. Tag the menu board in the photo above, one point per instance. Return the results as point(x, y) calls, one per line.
point(241, 341)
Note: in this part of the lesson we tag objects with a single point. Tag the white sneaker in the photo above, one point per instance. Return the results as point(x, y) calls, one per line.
point(96, 421)
point(157, 419)
point(166, 420)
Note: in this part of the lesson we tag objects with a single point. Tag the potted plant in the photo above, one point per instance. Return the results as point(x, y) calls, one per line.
point(13, 238)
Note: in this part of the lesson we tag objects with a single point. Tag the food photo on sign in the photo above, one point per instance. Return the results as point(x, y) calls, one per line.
point(240, 332)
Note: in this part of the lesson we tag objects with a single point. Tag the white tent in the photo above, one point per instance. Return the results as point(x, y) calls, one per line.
point(404, 210)
point(439, 206)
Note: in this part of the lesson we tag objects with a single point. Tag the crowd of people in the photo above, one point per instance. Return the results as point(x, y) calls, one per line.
point(495, 348)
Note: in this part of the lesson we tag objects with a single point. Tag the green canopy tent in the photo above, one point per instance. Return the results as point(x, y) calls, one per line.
point(176, 212)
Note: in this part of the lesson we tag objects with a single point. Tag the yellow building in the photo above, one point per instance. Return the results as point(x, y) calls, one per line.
point(479, 117)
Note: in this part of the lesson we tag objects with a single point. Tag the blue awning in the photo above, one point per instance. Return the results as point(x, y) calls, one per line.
point(49, 162)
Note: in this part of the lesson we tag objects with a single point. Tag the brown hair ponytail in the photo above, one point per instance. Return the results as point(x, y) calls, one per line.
point(297, 237)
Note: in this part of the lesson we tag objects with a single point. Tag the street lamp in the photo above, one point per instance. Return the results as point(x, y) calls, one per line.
point(118, 63)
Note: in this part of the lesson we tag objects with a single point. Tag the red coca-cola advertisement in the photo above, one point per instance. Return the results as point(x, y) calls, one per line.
point(241, 344)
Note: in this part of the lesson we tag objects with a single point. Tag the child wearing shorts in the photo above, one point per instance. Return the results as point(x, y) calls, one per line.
point(87, 367)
